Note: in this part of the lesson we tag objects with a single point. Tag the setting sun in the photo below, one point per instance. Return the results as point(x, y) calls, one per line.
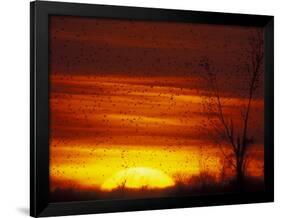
point(138, 177)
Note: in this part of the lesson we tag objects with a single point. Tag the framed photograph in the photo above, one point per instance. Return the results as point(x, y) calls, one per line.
point(141, 109)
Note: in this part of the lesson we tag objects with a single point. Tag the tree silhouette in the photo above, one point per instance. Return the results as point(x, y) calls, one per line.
point(225, 130)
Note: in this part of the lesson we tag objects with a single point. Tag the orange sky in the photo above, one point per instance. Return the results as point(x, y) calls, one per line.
point(127, 94)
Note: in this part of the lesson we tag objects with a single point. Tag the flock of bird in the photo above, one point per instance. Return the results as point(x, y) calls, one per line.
point(92, 104)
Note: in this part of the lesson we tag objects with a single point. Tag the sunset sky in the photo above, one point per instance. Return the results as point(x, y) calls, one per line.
point(126, 97)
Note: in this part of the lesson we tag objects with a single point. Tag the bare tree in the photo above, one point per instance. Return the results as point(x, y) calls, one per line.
point(226, 131)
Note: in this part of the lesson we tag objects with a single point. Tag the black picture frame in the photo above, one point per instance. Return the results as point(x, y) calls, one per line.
point(39, 108)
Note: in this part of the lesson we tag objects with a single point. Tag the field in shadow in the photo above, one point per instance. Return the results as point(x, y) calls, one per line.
point(195, 185)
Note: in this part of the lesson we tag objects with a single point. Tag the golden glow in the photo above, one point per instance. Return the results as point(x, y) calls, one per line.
point(124, 123)
point(138, 177)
